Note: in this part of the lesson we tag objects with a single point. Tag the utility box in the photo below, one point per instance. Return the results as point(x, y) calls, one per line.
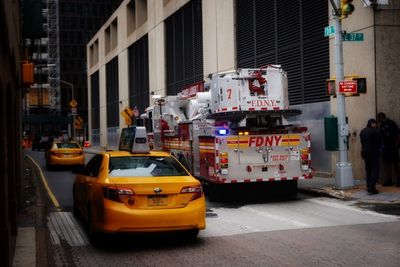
point(331, 133)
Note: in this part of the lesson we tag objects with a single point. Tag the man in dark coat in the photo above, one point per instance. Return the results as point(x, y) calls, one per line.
point(370, 142)
point(389, 132)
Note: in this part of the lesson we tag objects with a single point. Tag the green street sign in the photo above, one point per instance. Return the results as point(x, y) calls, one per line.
point(353, 37)
point(329, 30)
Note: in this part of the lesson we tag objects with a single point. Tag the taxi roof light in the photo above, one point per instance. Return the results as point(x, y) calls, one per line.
point(134, 140)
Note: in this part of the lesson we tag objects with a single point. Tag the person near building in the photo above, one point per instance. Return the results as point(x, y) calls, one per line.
point(370, 148)
point(390, 141)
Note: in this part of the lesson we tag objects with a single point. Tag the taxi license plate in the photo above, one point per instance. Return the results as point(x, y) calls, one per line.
point(157, 200)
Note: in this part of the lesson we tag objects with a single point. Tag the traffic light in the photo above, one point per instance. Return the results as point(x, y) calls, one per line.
point(347, 8)
point(361, 84)
point(330, 87)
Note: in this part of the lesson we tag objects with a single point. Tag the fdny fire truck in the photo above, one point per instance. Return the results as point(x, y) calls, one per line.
point(234, 129)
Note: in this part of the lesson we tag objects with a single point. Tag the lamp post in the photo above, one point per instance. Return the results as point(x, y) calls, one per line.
point(40, 88)
point(73, 98)
point(344, 169)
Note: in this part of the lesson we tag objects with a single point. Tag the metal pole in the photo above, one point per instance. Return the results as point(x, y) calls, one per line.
point(73, 98)
point(344, 170)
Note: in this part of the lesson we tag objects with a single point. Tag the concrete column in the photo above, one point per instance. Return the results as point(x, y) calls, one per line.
point(218, 35)
point(157, 61)
point(123, 86)
point(103, 106)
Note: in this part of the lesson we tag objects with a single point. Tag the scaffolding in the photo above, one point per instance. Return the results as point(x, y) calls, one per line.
point(54, 56)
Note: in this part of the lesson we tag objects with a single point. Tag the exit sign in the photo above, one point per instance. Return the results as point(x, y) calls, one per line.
point(348, 87)
point(353, 37)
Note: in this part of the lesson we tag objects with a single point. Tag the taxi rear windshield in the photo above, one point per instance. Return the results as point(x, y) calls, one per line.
point(145, 166)
point(67, 145)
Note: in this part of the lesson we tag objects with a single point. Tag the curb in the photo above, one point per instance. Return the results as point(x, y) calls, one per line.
point(34, 249)
point(342, 196)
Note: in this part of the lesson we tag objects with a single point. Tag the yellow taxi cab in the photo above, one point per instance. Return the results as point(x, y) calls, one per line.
point(138, 191)
point(68, 153)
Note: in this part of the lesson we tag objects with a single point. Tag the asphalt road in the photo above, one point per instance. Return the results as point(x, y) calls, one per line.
point(305, 231)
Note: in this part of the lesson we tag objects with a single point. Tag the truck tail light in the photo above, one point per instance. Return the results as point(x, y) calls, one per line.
point(117, 193)
point(300, 129)
point(304, 159)
point(224, 162)
point(196, 190)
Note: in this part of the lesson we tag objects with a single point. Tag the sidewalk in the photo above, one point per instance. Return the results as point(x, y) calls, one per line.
point(325, 186)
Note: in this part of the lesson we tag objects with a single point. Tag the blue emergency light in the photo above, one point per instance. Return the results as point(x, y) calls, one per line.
point(222, 131)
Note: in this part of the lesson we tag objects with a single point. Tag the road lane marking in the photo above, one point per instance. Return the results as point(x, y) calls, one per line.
point(46, 185)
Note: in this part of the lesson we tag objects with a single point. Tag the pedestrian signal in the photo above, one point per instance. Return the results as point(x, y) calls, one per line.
point(330, 87)
point(361, 84)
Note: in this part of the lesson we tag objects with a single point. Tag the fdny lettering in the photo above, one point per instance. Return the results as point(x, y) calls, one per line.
point(264, 103)
point(274, 140)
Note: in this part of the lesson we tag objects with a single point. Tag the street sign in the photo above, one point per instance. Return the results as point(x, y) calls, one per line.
point(73, 103)
point(127, 114)
point(348, 87)
point(329, 30)
point(78, 123)
point(353, 37)
point(74, 112)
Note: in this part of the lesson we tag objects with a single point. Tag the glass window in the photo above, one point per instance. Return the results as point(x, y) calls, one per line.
point(147, 166)
point(93, 167)
point(67, 145)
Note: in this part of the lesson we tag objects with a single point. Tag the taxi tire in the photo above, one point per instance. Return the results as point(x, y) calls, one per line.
point(94, 236)
point(49, 167)
point(191, 234)
point(75, 209)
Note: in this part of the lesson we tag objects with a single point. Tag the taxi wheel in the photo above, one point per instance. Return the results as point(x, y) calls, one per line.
point(192, 234)
point(75, 206)
point(49, 167)
point(94, 236)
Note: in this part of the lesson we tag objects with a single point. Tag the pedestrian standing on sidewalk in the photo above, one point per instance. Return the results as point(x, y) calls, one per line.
point(390, 138)
point(370, 147)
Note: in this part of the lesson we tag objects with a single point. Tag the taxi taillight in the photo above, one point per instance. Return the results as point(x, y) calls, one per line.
point(196, 190)
point(116, 193)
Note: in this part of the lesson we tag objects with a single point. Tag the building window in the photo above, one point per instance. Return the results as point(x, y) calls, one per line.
point(141, 12)
point(130, 17)
point(286, 32)
point(95, 99)
point(139, 74)
point(184, 47)
point(94, 53)
point(112, 93)
point(111, 36)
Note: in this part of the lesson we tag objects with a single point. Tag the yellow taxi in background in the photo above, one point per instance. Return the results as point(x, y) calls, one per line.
point(123, 192)
point(68, 153)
